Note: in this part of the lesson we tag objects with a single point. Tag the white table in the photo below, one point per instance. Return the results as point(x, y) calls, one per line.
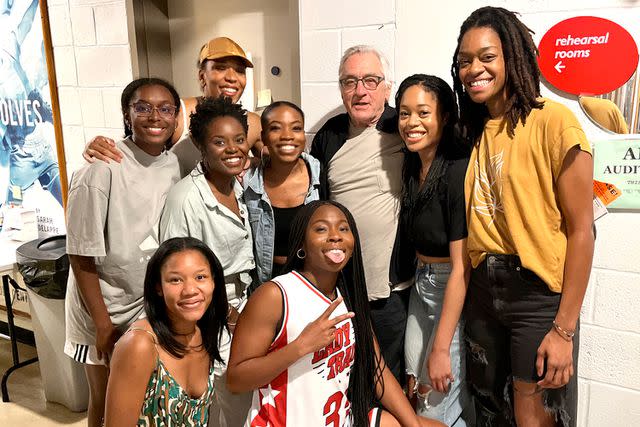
point(7, 252)
point(7, 267)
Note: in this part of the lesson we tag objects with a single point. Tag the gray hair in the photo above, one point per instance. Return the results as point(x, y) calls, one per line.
point(363, 48)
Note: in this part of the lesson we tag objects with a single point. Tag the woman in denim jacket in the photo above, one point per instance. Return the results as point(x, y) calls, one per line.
point(283, 182)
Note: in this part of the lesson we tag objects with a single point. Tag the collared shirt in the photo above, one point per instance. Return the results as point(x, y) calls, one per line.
point(261, 212)
point(192, 210)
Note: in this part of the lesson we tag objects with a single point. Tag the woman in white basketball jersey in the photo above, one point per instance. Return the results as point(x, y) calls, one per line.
point(304, 342)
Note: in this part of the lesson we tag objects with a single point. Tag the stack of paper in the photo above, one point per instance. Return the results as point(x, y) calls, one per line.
point(20, 224)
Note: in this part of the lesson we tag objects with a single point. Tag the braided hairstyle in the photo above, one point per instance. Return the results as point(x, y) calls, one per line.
point(366, 374)
point(521, 66)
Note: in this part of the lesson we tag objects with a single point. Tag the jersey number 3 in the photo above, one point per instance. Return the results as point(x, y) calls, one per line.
point(331, 409)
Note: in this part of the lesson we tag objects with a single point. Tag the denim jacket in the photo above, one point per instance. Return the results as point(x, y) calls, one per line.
point(261, 213)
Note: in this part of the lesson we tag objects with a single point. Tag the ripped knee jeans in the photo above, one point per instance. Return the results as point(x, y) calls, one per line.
point(508, 312)
point(425, 308)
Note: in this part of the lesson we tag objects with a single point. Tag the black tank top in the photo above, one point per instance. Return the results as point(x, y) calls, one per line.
point(283, 217)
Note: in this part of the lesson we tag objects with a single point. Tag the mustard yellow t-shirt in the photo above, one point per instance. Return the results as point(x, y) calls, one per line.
point(511, 187)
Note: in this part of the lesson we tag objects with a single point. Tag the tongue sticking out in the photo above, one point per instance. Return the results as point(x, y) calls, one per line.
point(336, 256)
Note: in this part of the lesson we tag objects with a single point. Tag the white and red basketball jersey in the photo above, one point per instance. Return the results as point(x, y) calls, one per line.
point(312, 391)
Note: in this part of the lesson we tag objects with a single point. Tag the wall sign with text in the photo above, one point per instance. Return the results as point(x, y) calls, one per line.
point(587, 55)
point(618, 162)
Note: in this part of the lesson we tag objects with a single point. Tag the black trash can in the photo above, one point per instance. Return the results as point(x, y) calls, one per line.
point(44, 266)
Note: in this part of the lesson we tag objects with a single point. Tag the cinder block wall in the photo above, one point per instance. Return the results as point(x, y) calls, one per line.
point(609, 366)
point(325, 32)
point(93, 64)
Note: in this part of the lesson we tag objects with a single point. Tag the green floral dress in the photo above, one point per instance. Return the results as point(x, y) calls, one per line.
point(167, 404)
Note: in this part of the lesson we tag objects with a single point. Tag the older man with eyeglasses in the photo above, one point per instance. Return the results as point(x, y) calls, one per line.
point(361, 155)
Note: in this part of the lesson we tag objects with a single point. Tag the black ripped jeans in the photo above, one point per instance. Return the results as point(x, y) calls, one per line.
point(508, 312)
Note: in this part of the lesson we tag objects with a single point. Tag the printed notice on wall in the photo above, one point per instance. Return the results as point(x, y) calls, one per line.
point(617, 162)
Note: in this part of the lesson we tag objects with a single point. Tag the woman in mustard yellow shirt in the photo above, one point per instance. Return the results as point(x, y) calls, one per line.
point(529, 214)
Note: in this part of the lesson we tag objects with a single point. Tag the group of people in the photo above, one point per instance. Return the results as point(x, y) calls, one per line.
point(422, 265)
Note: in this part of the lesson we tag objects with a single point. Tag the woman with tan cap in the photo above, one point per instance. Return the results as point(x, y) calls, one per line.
point(222, 65)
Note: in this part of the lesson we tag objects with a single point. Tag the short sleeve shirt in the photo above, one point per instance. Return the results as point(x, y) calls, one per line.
point(188, 154)
point(365, 175)
point(113, 211)
point(193, 210)
point(442, 219)
point(511, 186)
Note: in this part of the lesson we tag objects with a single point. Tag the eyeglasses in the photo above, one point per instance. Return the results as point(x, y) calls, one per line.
point(369, 83)
point(143, 109)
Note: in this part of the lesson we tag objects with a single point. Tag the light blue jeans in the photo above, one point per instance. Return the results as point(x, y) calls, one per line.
point(425, 308)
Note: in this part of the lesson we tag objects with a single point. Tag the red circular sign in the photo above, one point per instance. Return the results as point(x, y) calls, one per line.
point(587, 55)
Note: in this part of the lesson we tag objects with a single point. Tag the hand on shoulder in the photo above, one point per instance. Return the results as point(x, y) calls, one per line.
point(101, 148)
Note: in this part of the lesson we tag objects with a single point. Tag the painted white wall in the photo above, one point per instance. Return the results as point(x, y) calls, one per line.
point(93, 64)
point(93, 41)
point(420, 36)
point(326, 30)
point(266, 28)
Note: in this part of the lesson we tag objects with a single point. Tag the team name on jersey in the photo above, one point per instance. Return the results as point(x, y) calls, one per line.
point(339, 354)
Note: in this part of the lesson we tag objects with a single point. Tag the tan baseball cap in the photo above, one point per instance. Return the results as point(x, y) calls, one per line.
point(223, 47)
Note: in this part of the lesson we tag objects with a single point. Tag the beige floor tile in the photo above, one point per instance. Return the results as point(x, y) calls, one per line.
point(28, 406)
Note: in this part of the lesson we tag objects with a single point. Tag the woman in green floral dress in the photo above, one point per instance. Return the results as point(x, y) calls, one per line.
point(162, 367)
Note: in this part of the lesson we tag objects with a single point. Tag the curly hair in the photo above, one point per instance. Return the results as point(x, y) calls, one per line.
point(209, 109)
point(521, 65)
point(129, 92)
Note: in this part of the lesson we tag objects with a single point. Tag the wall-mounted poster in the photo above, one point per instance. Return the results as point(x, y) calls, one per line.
point(617, 161)
point(32, 171)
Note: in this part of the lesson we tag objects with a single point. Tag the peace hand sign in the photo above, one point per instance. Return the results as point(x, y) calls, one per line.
point(322, 331)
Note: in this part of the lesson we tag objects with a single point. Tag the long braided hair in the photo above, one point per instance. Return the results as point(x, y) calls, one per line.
point(366, 374)
point(521, 65)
